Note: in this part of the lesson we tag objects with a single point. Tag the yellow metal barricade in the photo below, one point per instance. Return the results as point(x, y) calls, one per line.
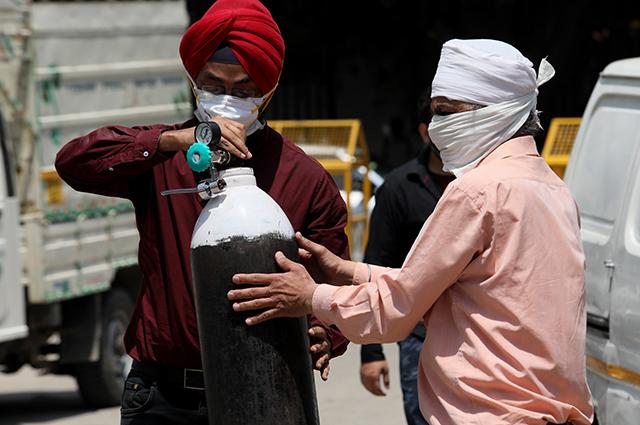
point(559, 142)
point(340, 146)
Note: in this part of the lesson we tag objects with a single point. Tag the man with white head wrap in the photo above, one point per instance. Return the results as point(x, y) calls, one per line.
point(484, 73)
point(497, 271)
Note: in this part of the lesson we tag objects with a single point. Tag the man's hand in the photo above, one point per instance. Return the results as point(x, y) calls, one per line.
point(371, 374)
point(320, 350)
point(287, 294)
point(323, 265)
point(233, 138)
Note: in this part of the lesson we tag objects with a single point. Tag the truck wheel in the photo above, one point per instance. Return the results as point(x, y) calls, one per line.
point(101, 383)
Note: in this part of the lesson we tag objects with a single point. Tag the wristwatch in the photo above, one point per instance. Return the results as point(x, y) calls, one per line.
point(208, 132)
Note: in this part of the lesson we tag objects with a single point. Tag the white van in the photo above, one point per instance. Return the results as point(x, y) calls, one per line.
point(604, 175)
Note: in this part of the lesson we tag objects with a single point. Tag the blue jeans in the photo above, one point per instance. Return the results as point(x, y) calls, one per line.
point(409, 354)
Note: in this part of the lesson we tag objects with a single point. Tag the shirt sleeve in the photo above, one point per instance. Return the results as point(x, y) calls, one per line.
point(328, 218)
point(105, 160)
point(382, 249)
point(388, 308)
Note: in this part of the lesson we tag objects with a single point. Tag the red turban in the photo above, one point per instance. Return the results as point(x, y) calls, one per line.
point(248, 28)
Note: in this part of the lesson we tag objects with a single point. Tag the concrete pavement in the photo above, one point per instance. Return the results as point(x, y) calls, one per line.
point(29, 399)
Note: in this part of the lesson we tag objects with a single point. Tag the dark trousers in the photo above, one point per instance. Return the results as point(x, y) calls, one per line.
point(409, 355)
point(147, 400)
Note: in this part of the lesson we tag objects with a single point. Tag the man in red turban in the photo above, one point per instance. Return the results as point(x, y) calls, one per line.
point(233, 57)
point(248, 29)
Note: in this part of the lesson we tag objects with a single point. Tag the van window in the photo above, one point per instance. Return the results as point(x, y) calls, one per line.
point(606, 158)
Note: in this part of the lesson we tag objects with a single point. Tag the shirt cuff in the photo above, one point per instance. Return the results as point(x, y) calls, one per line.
point(144, 150)
point(147, 142)
point(322, 303)
point(361, 273)
point(371, 353)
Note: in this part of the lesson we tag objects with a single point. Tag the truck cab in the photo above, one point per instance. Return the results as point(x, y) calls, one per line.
point(603, 173)
point(68, 261)
point(12, 306)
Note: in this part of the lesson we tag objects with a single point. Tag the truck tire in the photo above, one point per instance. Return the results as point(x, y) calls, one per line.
point(101, 383)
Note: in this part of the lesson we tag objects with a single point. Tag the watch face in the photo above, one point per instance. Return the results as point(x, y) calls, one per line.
point(203, 133)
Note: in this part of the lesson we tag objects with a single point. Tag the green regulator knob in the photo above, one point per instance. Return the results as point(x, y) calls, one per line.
point(199, 157)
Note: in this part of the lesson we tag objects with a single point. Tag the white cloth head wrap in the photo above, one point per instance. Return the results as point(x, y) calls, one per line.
point(489, 73)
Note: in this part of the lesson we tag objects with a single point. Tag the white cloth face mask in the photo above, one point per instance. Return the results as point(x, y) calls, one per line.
point(466, 138)
point(242, 110)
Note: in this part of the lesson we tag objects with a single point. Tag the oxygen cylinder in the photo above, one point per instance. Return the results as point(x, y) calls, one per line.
point(259, 374)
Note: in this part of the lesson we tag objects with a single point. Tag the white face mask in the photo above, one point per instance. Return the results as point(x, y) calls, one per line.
point(466, 138)
point(242, 110)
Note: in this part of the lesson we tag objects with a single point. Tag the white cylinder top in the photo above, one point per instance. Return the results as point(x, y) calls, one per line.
point(241, 210)
point(241, 176)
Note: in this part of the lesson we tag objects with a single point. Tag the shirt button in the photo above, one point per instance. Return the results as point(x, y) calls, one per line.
point(110, 168)
point(145, 154)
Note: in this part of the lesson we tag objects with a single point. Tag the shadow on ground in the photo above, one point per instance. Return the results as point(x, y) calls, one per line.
point(36, 407)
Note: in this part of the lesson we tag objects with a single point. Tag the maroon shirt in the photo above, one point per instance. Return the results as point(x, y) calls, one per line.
point(125, 162)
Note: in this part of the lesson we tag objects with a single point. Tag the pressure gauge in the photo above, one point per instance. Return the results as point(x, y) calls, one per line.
point(208, 133)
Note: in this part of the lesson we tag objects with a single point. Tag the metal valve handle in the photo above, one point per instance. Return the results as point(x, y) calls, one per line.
point(206, 189)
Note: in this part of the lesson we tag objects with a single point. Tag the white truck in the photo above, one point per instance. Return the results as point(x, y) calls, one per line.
point(603, 173)
point(68, 261)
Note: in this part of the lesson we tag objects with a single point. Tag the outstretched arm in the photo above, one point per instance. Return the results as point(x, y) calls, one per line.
point(387, 308)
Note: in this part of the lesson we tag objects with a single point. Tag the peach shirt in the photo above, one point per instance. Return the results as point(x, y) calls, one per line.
point(497, 272)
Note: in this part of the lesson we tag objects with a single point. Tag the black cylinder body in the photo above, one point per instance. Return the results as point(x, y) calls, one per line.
point(259, 374)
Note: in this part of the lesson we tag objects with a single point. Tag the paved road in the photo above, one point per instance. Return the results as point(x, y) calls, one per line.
point(29, 399)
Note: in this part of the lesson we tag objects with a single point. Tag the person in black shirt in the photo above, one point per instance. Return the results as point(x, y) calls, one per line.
point(407, 197)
